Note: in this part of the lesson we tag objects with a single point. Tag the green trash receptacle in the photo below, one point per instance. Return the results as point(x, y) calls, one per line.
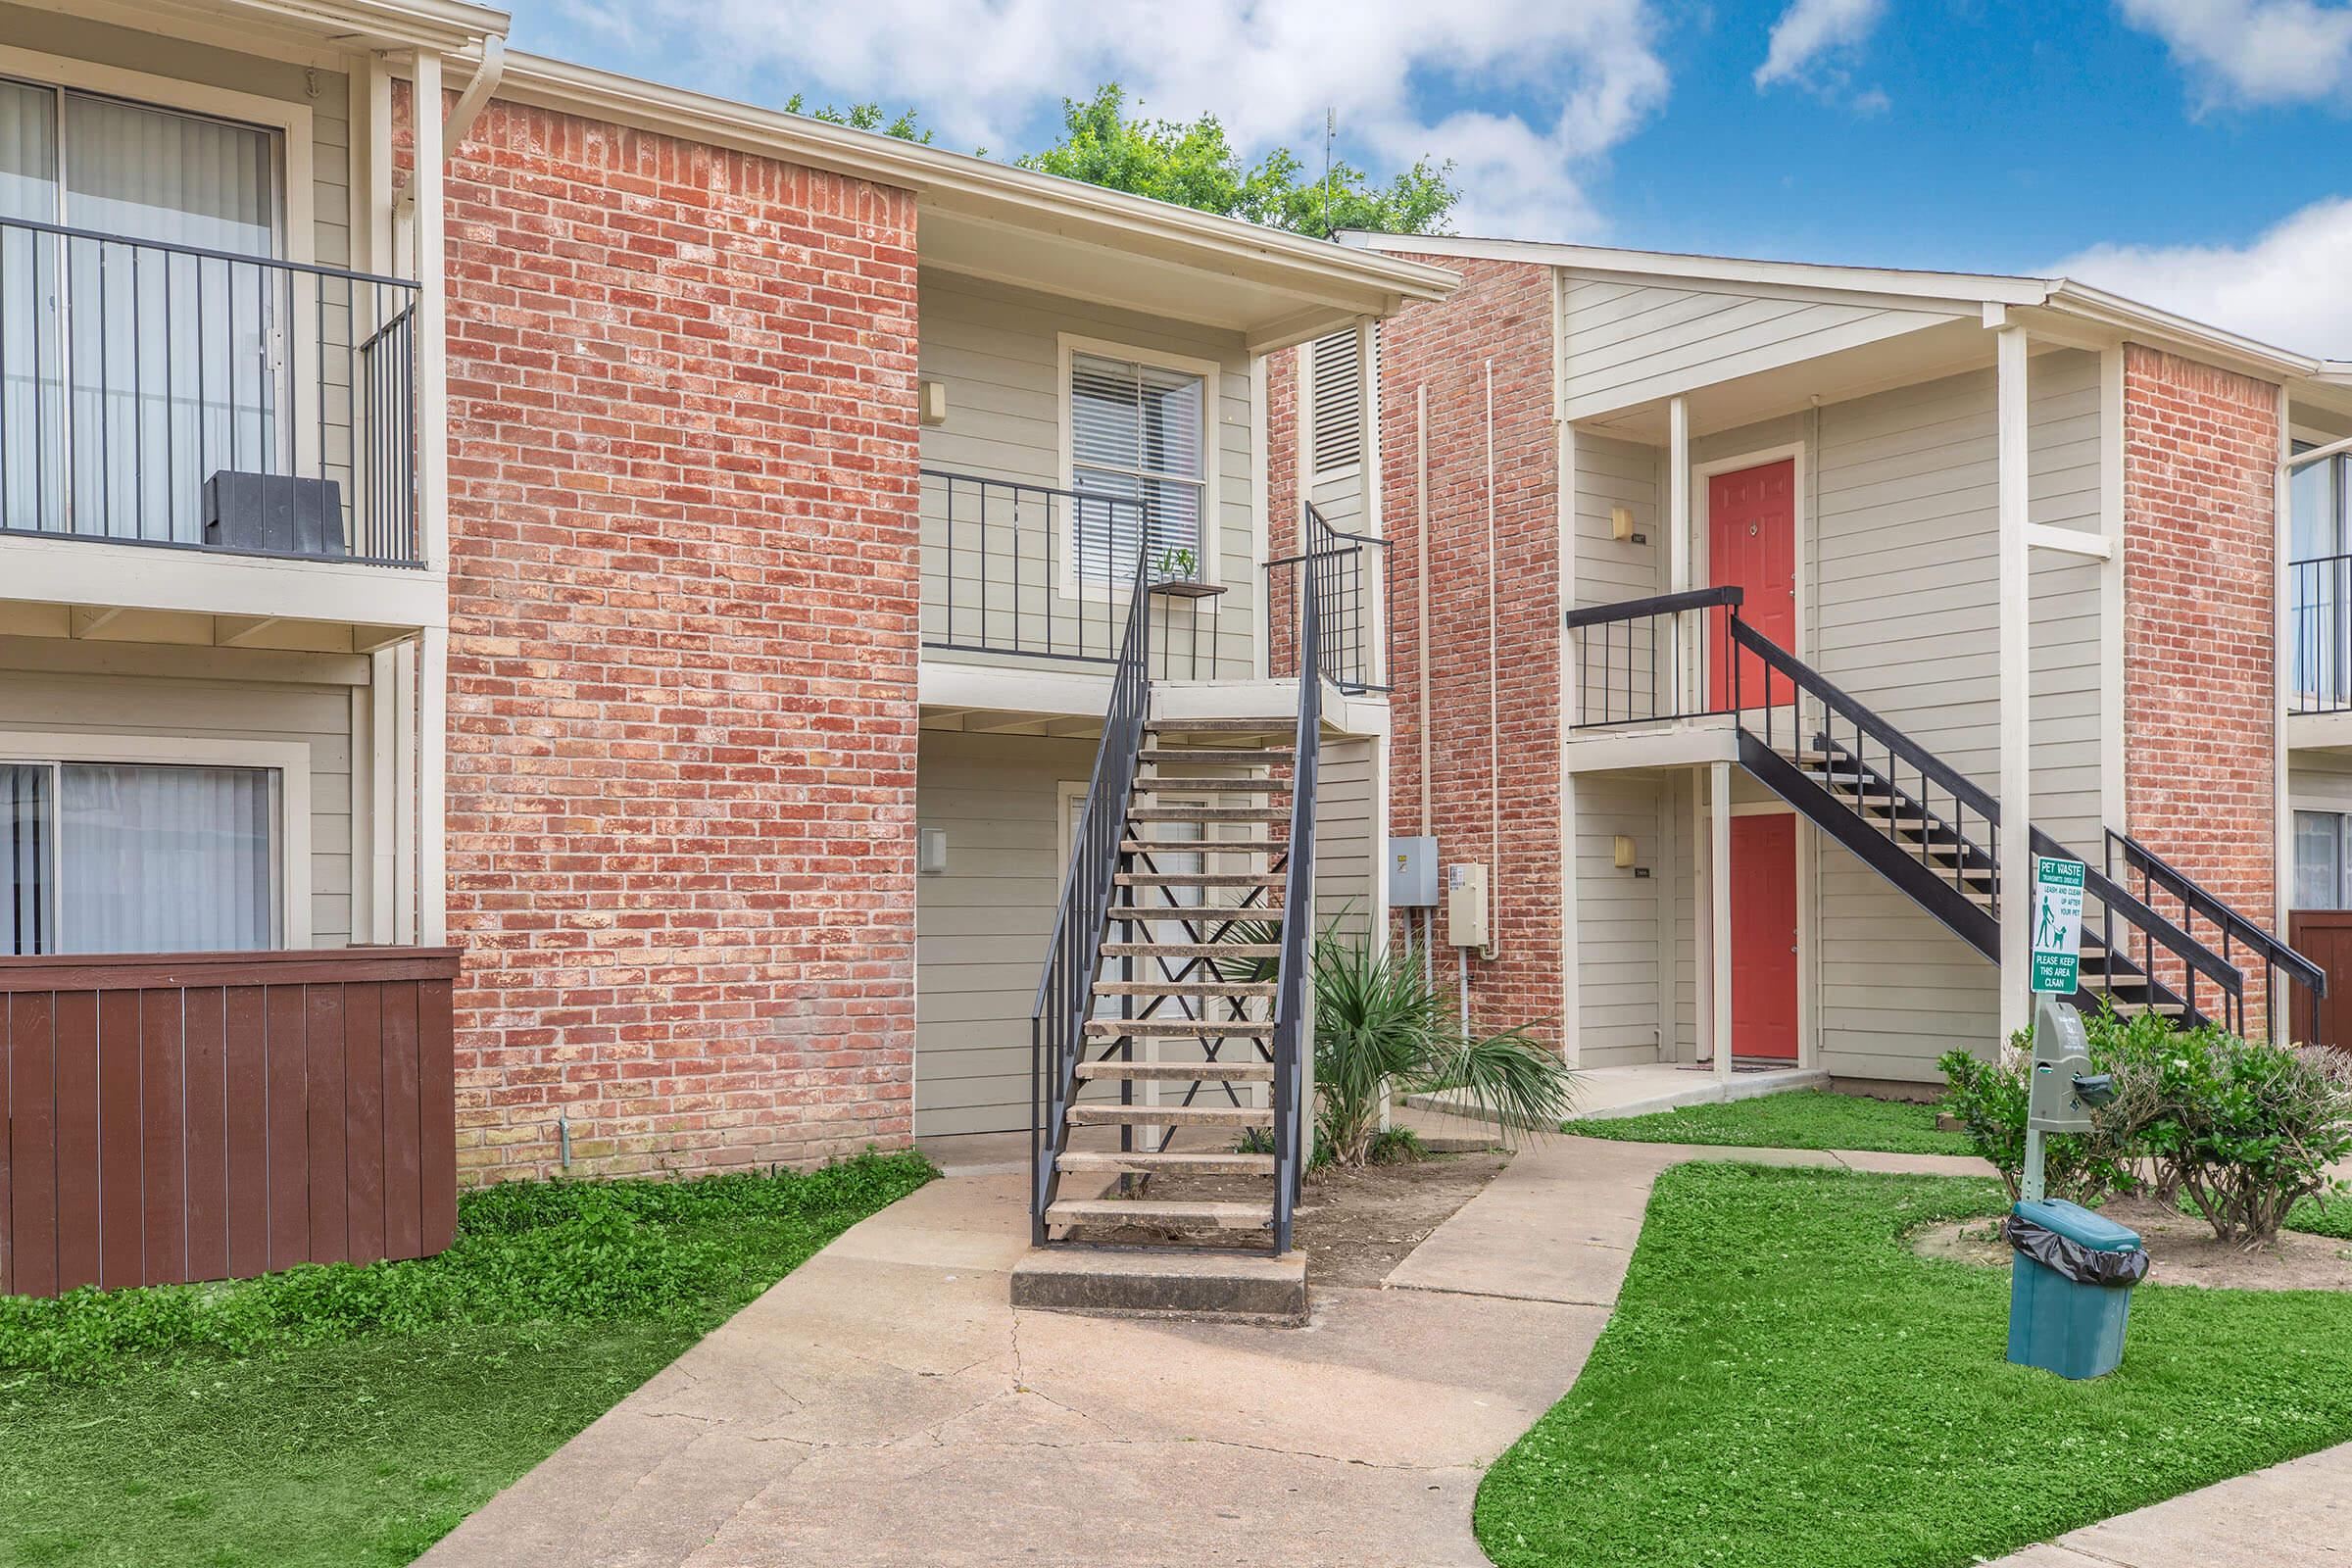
point(2071, 1295)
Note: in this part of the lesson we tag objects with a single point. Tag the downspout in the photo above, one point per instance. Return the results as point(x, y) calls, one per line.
point(1428, 816)
point(462, 116)
point(1494, 948)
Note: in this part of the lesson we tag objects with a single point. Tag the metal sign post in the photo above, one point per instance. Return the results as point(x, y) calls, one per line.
point(2061, 1052)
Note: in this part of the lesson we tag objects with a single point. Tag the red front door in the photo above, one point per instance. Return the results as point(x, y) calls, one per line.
point(1764, 936)
point(1751, 542)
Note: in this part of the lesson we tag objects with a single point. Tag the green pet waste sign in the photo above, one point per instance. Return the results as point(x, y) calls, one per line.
point(2057, 966)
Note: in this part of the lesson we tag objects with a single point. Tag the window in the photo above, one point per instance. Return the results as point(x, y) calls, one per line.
point(2321, 861)
point(2319, 584)
point(1138, 461)
point(1336, 400)
point(140, 857)
point(143, 404)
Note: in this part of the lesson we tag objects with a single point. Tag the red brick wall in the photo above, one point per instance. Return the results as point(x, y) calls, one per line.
point(683, 652)
point(2200, 457)
point(1501, 314)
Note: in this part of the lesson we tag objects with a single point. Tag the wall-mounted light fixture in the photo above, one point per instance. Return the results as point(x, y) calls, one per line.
point(933, 408)
point(1620, 523)
point(1621, 852)
point(931, 850)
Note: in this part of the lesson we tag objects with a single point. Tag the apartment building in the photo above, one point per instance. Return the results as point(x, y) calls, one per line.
point(554, 623)
point(1737, 604)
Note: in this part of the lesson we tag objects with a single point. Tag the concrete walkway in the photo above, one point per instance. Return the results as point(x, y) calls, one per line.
point(885, 1406)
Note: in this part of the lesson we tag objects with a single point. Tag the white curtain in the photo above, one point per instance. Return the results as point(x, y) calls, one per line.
point(165, 860)
point(25, 926)
point(31, 392)
point(178, 359)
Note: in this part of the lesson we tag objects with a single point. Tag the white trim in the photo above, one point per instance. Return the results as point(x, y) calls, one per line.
point(1067, 345)
point(1261, 508)
point(2012, 398)
point(2113, 801)
point(291, 121)
point(289, 759)
point(2280, 1025)
point(432, 787)
point(2069, 541)
point(1719, 918)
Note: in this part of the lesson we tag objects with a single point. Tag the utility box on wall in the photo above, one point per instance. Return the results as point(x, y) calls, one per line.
point(1466, 904)
point(1412, 873)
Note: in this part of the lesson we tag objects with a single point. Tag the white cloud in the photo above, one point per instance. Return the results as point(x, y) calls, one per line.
point(1811, 33)
point(2253, 51)
point(2286, 287)
point(1397, 71)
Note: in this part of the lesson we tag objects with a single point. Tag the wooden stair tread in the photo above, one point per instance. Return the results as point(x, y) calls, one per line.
point(1287, 724)
point(1184, 988)
point(1202, 877)
point(1212, 786)
point(1195, 1162)
point(1192, 950)
point(1182, 1028)
point(1179, 1072)
point(1214, 755)
point(1223, 1216)
point(1196, 913)
point(1209, 814)
point(1112, 1115)
point(1201, 845)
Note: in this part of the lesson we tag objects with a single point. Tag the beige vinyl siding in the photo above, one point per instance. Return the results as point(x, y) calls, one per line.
point(997, 351)
point(1903, 615)
point(981, 927)
point(1619, 943)
point(1630, 342)
point(1347, 856)
point(2318, 781)
point(1611, 473)
point(316, 716)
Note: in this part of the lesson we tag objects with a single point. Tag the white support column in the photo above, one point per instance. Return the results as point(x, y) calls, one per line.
point(404, 793)
point(382, 845)
point(1678, 533)
point(1719, 915)
point(1368, 458)
point(2282, 820)
point(364, 811)
point(432, 788)
point(432, 319)
point(2016, 725)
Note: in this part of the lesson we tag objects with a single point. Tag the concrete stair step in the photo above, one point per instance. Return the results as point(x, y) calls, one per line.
point(1212, 786)
point(1195, 1282)
point(1179, 1072)
point(1198, 846)
point(1198, 913)
point(1171, 1115)
point(1285, 724)
point(1202, 879)
point(1215, 1216)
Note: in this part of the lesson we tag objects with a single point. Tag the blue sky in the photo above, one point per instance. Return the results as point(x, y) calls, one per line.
point(2197, 153)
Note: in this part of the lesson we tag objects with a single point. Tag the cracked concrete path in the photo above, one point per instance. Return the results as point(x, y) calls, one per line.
point(884, 1404)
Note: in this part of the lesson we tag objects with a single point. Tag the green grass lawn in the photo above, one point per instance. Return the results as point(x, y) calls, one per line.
point(1785, 1385)
point(352, 1416)
point(1797, 1119)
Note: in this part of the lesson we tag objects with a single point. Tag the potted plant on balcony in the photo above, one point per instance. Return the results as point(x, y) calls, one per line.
point(1176, 575)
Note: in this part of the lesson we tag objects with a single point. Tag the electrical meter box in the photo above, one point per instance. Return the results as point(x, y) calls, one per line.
point(2061, 1055)
point(1466, 904)
point(1412, 873)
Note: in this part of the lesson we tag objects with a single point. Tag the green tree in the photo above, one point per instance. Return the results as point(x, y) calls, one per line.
point(1195, 166)
point(862, 116)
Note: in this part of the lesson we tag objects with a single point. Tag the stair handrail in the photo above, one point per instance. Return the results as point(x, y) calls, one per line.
point(1075, 951)
point(2196, 898)
point(1292, 974)
point(2114, 899)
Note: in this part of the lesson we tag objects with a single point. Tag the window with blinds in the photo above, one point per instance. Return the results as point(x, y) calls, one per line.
point(1336, 399)
point(1139, 464)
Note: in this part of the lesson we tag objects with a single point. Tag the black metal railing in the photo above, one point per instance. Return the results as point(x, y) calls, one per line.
point(1294, 970)
point(2319, 635)
point(1629, 658)
point(177, 396)
point(1346, 576)
point(2238, 939)
point(1066, 991)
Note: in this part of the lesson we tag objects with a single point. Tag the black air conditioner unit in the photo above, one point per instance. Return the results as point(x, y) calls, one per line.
point(273, 512)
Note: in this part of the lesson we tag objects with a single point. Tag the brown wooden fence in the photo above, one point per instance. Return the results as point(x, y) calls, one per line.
point(214, 1115)
point(2324, 937)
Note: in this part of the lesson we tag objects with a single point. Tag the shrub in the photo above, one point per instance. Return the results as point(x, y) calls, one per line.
point(1989, 1097)
point(2249, 1127)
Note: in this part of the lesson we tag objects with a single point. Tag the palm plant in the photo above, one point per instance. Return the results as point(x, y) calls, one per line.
point(1383, 1025)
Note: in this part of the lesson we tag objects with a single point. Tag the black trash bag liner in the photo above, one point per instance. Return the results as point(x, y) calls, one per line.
point(2084, 1265)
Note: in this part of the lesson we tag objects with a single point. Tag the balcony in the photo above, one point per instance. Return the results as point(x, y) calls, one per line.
point(175, 398)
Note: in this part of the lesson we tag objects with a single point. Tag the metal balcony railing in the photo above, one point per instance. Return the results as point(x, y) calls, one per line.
point(175, 396)
point(2319, 634)
point(1347, 577)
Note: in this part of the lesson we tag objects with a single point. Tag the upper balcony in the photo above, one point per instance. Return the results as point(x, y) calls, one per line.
point(203, 412)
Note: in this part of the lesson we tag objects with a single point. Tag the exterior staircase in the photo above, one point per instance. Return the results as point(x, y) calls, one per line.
point(1172, 1006)
point(2153, 939)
